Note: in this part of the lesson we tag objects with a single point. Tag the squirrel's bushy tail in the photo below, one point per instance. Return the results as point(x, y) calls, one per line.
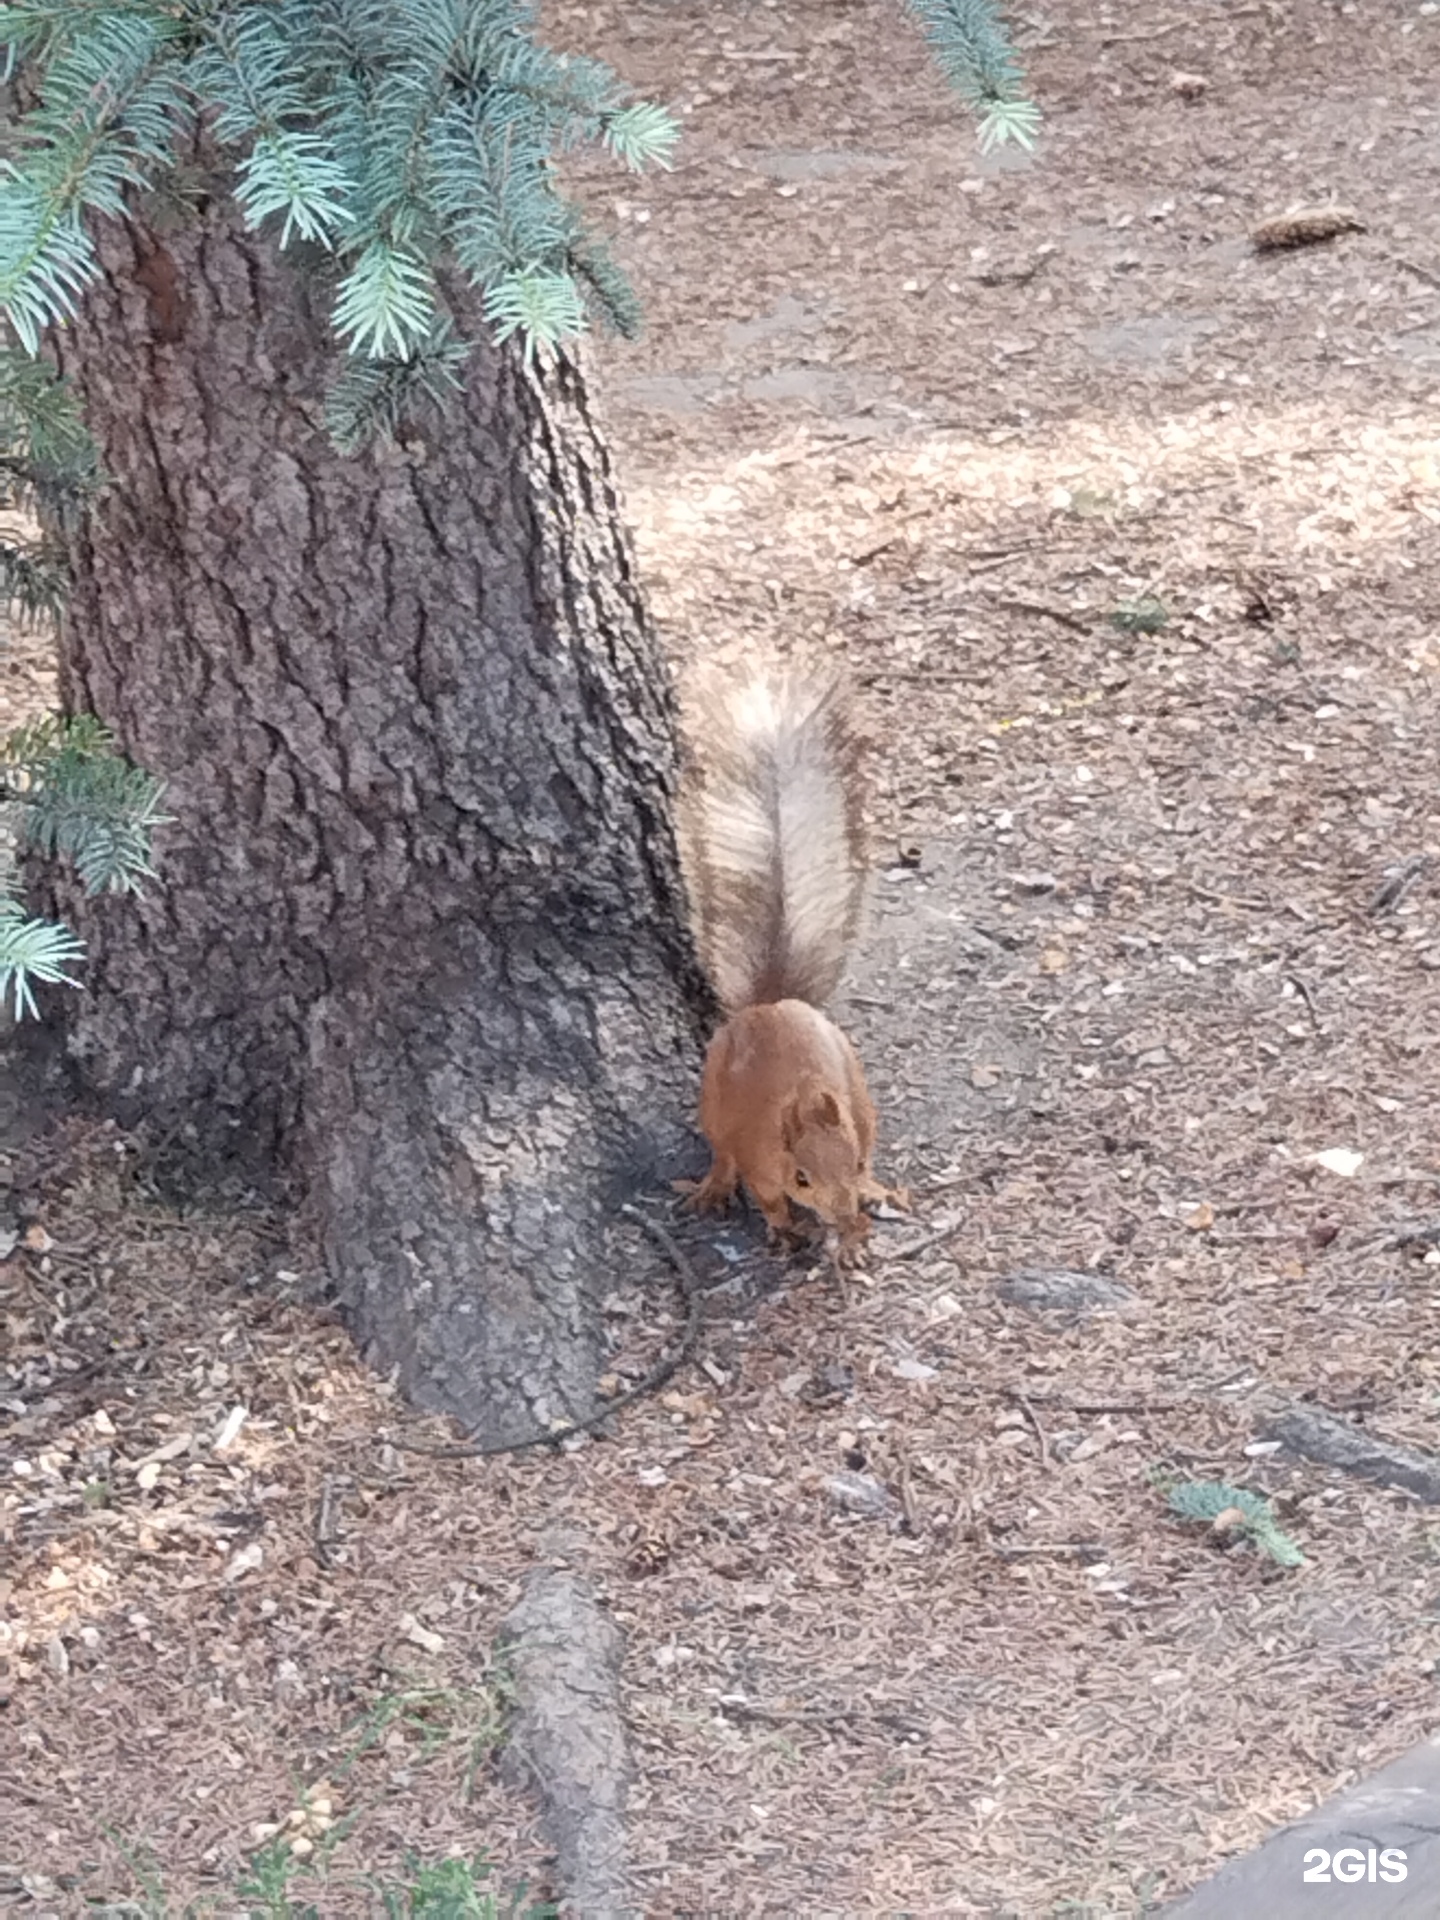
point(772, 836)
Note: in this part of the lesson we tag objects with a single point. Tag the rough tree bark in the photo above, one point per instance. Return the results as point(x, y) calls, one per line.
point(566, 1735)
point(418, 937)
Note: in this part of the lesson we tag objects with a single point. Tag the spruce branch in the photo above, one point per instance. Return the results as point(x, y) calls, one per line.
point(106, 120)
point(64, 790)
point(493, 194)
point(610, 292)
point(399, 135)
point(76, 797)
point(545, 307)
point(47, 459)
point(1245, 1513)
point(46, 259)
point(247, 70)
point(1006, 121)
point(403, 137)
point(41, 29)
point(372, 399)
point(642, 136)
point(34, 580)
point(969, 45)
point(386, 304)
point(32, 950)
point(290, 173)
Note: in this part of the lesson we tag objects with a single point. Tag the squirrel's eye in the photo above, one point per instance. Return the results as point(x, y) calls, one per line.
point(802, 1179)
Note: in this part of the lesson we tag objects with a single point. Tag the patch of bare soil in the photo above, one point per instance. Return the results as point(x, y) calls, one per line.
point(1130, 538)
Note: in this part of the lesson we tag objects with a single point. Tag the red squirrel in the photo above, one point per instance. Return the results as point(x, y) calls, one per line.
point(772, 836)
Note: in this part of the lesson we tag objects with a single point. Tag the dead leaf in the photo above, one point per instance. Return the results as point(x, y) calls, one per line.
point(419, 1636)
point(246, 1559)
point(1200, 1219)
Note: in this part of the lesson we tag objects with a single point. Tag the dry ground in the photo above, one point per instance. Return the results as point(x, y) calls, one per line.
point(908, 1625)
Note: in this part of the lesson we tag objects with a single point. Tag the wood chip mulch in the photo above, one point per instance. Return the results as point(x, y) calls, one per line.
point(1130, 537)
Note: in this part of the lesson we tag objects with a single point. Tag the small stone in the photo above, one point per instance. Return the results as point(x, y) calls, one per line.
point(1059, 1290)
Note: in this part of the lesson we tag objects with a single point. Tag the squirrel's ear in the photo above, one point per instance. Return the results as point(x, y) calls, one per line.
point(826, 1110)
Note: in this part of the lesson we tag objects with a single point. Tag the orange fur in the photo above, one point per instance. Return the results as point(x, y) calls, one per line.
point(775, 859)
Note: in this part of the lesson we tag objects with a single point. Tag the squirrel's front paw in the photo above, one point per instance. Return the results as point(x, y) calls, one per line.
point(872, 1194)
point(847, 1255)
point(849, 1243)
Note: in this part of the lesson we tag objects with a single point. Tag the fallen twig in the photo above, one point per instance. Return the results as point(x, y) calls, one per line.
point(1062, 614)
point(1057, 1549)
point(1030, 1414)
point(925, 1243)
point(1304, 993)
point(1068, 1405)
point(323, 1532)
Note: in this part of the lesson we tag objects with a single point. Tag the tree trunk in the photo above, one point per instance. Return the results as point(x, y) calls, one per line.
point(418, 933)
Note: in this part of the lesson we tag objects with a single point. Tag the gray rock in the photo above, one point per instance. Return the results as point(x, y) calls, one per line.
point(1059, 1290)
